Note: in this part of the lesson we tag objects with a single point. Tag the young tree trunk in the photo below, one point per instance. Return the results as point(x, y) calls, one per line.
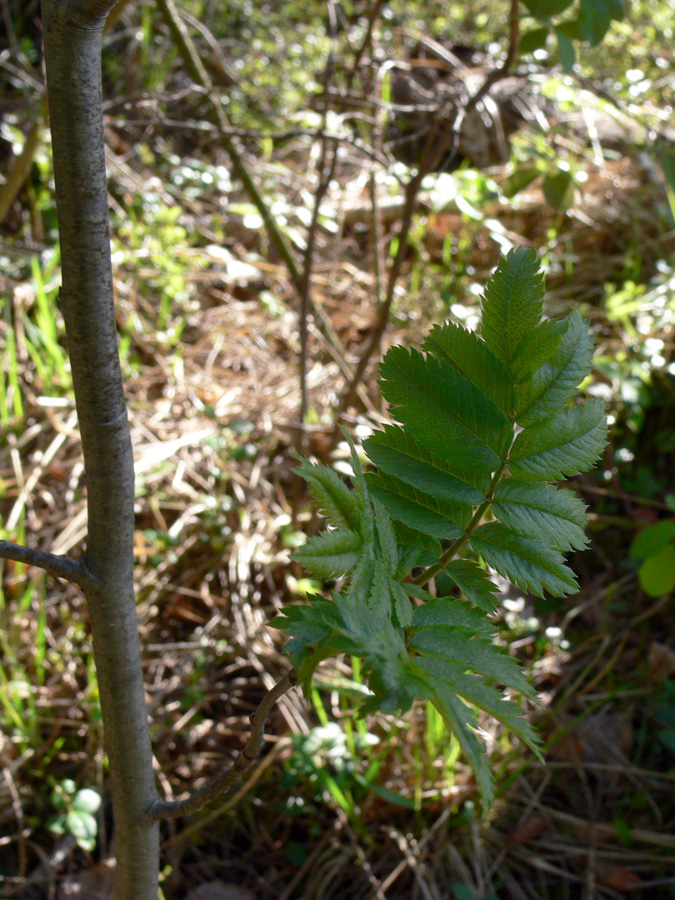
point(72, 37)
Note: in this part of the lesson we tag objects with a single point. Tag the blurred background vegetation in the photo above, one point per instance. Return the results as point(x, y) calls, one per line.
point(233, 359)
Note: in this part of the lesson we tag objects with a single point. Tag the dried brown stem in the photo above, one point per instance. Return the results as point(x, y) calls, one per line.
point(165, 809)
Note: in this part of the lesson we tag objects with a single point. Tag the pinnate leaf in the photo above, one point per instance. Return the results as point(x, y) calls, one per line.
point(567, 443)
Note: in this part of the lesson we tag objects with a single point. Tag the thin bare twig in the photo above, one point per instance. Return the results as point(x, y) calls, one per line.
point(326, 169)
point(163, 809)
point(62, 566)
point(439, 142)
point(199, 75)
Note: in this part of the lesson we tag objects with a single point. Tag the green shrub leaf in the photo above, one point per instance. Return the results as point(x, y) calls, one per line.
point(460, 401)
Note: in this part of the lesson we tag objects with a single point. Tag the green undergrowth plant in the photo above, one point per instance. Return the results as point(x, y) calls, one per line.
point(462, 483)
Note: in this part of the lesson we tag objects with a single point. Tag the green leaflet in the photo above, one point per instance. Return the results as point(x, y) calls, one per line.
point(552, 385)
point(330, 554)
point(396, 453)
point(461, 646)
point(442, 519)
point(535, 349)
point(450, 611)
point(557, 517)
point(564, 444)
point(475, 691)
point(444, 411)
point(331, 495)
point(386, 538)
point(512, 304)
point(525, 561)
point(461, 721)
point(474, 359)
point(474, 583)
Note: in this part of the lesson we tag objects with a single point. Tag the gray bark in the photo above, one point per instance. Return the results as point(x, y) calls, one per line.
point(72, 35)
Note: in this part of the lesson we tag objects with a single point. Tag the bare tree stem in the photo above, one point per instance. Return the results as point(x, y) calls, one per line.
point(72, 37)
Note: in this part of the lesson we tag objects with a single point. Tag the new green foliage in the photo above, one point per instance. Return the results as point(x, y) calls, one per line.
point(463, 479)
